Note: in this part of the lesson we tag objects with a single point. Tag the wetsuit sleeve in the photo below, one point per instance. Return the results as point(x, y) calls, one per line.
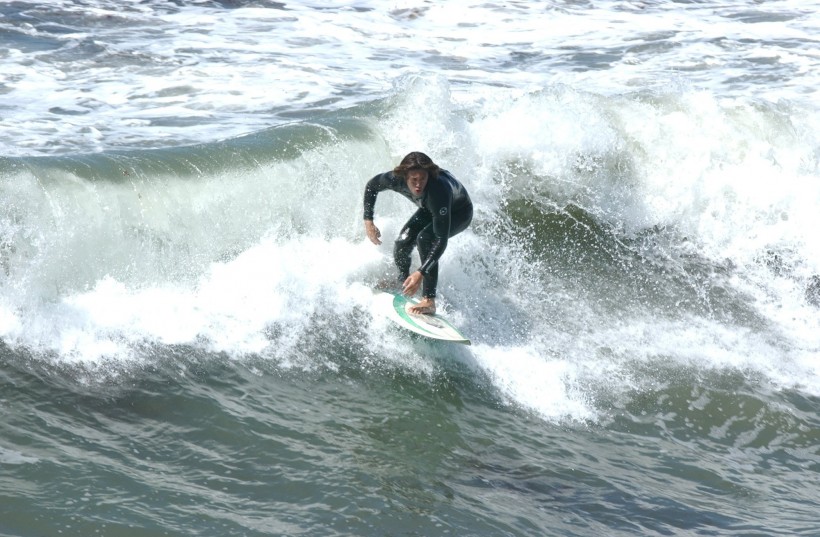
point(371, 191)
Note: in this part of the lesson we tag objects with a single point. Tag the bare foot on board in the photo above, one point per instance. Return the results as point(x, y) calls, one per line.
point(426, 306)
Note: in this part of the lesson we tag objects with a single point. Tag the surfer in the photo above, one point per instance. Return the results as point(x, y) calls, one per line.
point(444, 210)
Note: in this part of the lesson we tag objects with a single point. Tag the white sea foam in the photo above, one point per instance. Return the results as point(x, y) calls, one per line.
point(229, 309)
point(157, 74)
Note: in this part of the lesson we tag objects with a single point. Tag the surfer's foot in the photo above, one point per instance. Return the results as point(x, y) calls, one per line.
point(426, 306)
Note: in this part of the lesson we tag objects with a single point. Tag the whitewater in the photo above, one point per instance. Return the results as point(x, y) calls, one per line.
point(186, 338)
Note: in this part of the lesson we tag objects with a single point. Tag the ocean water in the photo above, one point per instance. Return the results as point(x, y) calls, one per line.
point(186, 339)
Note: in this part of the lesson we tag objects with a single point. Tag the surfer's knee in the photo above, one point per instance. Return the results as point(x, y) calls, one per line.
point(424, 241)
point(404, 239)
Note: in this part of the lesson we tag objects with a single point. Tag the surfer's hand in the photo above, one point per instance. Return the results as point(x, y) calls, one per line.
point(372, 231)
point(412, 283)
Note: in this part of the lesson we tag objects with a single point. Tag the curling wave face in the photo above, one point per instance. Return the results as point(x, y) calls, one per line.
point(610, 233)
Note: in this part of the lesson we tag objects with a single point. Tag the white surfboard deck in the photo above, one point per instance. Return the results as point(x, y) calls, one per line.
point(394, 307)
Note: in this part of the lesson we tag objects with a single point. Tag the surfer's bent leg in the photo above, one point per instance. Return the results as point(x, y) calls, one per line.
point(425, 242)
point(403, 247)
point(459, 222)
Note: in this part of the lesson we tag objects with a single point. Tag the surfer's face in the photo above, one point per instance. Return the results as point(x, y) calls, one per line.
point(417, 181)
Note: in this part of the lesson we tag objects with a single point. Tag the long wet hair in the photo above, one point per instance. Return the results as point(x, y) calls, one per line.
point(417, 161)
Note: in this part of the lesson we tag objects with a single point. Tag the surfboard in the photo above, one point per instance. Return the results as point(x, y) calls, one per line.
point(394, 306)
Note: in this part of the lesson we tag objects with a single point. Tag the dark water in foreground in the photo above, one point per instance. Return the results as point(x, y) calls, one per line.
point(206, 445)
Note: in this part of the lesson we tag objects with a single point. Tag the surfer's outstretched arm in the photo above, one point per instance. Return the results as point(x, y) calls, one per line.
point(380, 182)
point(372, 232)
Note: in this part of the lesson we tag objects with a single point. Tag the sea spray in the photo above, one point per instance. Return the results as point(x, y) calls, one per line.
point(598, 219)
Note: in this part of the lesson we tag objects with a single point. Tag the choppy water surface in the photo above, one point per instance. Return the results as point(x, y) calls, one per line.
point(185, 297)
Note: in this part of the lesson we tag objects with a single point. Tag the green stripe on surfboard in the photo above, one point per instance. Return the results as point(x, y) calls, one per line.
point(400, 303)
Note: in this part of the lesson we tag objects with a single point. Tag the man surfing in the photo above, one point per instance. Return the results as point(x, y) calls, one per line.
point(444, 210)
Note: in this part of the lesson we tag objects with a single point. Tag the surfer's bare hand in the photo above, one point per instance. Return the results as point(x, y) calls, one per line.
point(372, 231)
point(412, 283)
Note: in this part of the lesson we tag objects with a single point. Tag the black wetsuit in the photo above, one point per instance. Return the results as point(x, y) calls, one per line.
point(445, 209)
